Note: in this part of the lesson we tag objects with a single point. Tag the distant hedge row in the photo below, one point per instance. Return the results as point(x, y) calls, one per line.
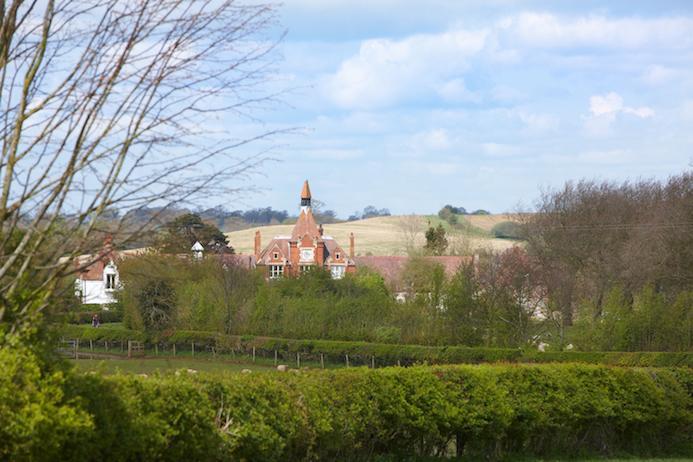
point(85, 317)
point(390, 353)
point(481, 412)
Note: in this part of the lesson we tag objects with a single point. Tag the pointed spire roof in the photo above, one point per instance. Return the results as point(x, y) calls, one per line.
point(305, 225)
point(305, 192)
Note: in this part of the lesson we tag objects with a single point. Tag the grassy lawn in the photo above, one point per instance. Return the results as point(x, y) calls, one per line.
point(168, 364)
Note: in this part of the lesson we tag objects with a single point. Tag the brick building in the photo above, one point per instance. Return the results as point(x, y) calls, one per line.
point(306, 248)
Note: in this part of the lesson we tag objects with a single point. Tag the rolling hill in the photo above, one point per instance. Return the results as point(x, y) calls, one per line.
point(390, 235)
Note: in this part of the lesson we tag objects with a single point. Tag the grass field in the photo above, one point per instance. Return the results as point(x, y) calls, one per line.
point(388, 235)
point(152, 365)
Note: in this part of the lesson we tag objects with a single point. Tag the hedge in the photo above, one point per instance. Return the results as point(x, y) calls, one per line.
point(481, 412)
point(392, 353)
point(85, 317)
point(109, 334)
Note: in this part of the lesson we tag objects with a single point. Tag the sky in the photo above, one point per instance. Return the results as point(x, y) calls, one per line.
point(412, 105)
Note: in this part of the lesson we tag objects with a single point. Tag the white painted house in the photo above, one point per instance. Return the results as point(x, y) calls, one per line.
point(97, 282)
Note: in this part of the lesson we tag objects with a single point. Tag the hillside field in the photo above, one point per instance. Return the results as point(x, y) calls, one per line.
point(391, 235)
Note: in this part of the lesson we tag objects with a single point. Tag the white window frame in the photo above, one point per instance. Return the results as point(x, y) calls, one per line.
point(337, 271)
point(110, 281)
point(276, 271)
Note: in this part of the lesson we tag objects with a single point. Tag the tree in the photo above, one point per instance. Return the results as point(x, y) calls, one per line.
point(107, 104)
point(181, 233)
point(448, 213)
point(436, 240)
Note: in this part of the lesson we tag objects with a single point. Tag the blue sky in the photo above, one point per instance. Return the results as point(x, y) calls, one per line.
point(411, 105)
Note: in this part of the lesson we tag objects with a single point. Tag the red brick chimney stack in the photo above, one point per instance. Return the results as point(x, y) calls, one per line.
point(257, 244)
point(351, 245)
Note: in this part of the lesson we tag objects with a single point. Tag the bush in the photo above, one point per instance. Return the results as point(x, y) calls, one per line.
point(356, 414)
point(508, 230)
point(85, 317)
point(37, 420)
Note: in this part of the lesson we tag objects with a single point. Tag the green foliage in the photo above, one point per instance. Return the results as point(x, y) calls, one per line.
point(436, 240)
point(647, 323)
point(87, 333)
point(85, 317)
point(386, 353)
point(491, 412)
point(508, 230)
point(449, 214)
point(182, 232)
point(37, 421)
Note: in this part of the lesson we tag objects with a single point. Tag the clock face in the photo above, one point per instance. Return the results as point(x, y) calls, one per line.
point(306, 254)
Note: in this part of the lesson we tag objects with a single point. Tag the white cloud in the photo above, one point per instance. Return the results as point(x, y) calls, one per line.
point(606, 105)
point(455, 90)
point(545, 30)
point(605, 108)
point(611, 104)
point(387, 71)
point(537, 123)
point(658, 75)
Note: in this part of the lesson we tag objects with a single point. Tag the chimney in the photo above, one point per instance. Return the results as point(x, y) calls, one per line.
point(257, 244)
point(320, 230)
point(351, 245)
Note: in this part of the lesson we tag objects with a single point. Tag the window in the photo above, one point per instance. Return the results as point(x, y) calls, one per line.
point(337, 272)
point(110, 281)
point(275, 255)
point(276, 271)
point(305, 268)
point(307, 254)
point(337, 255)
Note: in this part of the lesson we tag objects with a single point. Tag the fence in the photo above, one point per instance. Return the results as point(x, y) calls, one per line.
point(323, 353)
point(127, 349)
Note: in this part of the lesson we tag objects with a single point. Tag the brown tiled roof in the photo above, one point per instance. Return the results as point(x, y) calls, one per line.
point(305, 225)
point(238, 259)
point(282, 243)
point(391, 268)
point(94, 272)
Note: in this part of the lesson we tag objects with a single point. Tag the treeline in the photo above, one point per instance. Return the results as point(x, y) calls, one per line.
point(617, 261)
point(497, 303)
point(476, 412)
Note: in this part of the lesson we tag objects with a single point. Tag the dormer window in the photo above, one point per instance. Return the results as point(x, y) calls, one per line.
point(275, 255)
point(338, 255)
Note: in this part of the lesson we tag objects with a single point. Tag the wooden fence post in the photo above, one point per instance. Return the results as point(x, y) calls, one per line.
point(373, 362)
point(253, 354)
point(106, 342)
point(174, 349)
point(322, 361)
point(298, 360)
point(76, 348)
point(91, 345)
point(347, 360)
point(156, 349)
point(129, 349)
point(193, 348)
point(275, 357)
point(399, 364)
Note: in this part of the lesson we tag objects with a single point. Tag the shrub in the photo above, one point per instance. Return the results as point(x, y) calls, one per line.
point(355, 414)
point(37, 420)
point(508, 230)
